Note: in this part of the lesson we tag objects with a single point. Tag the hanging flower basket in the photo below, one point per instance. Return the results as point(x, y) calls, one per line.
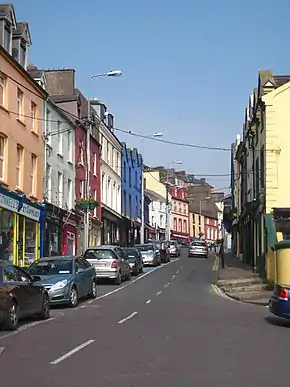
point(86, 204)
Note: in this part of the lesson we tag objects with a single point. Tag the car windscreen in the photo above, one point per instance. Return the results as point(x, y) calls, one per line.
point(200, 244)
point(131, 255)
point(145, 248)
point(171, 243)
point(100, 254)
point(51, 267)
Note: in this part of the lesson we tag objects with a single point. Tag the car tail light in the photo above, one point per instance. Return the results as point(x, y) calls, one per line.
point(283, 294)
point(114, 265)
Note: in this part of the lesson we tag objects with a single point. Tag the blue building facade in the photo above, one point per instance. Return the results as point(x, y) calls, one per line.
point(131, 195)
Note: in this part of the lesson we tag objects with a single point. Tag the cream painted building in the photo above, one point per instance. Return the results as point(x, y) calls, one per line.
point(153, 184)
point(264, 158)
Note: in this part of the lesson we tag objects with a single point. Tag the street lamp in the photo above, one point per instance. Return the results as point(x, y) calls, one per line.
point(153, 135)
point(112, 73)
point(167, 222)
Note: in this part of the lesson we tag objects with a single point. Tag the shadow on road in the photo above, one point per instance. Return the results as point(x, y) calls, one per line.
point(276, 321)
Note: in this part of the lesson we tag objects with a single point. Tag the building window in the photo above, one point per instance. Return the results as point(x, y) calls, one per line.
point(95, 197)
point(70, 146)
point(3, 141)
point(33, 174)
point(60, 189)
point(22, 57)
point(48, 126)
point(19, 166)
point(82, 158)
point(104, 192)
point(130, 176)
point(33, 117)
point(7, 39)
point(70, 194)
point(95, 164)
point(175, 224)
point(262, 167)
point(185, 226)
point(19, 103)
point(2, 89)
point(179, 225)
point(82, 189)
point(59, 139)
point(48, 182)
point(108, 154)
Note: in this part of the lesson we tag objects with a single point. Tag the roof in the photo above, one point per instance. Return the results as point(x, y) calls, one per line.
point(23, 71)
point(206, 207)
point(154, 196)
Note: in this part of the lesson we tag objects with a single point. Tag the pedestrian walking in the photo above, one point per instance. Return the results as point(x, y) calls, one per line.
point(222, 253)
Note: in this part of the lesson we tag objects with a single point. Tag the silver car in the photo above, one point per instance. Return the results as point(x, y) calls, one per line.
point(150, 254)
point(198, 249)
point(109, 263)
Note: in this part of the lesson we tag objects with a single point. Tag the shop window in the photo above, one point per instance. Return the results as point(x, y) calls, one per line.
point(70, 243)
point(6, 235)
point(21, 230)
point(30, 242)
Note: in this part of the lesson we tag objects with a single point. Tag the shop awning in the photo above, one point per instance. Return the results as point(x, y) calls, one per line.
point(177, 235)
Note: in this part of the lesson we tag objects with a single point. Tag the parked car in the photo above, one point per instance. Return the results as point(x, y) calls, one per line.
point(163, 249)
point(109, 263)
point(174, 248)
point(198, 249)
point(279, 303)
point(66, 278)
point(20, 296)
point(150, 254)
point(134, 258)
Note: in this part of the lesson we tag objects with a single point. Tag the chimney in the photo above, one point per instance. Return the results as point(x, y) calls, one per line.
point(100, 109)
point(110, 122)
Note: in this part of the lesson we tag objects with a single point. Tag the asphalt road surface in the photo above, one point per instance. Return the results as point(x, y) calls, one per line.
point(167, 329)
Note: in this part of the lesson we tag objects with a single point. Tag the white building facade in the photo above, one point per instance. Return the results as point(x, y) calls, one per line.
point(110, 175)
point(157, 214)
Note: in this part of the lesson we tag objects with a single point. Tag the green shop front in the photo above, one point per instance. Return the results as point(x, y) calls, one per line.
point(21, 228)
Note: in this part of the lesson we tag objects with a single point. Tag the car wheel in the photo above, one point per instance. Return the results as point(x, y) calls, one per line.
point(141, 269)
point(73, 297)
point(93, 292)
point(45, 309)
point(129, 276)
point(12, 320)
point(118, 280)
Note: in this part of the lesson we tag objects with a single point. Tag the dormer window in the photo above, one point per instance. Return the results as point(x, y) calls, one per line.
point(7, 38)
point(22, 56)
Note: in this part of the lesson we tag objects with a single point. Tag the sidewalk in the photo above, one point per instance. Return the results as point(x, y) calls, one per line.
point(238, 281)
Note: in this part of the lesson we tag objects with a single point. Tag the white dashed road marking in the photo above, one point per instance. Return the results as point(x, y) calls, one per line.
point(158, 293)
point(72, 352)
point(128, 318)
point(148, 301)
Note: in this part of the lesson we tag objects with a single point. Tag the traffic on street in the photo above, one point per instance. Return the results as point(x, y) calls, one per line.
point(165, 327)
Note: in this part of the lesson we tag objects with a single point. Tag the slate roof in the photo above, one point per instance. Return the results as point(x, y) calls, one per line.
point(153, 196)
point(208, 208)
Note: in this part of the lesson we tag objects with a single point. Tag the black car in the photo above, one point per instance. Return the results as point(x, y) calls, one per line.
point(20, 296)
point(134, 258)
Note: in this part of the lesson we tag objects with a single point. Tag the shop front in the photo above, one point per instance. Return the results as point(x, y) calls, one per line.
point(180, 236)
point(21, 228)
point(53, 231)
point(111, 226)
point(70, 224)
point(95, 232)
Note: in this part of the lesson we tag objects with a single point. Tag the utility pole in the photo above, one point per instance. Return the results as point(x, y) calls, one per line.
point(142, 228)
point(113, 73)
point(88, 176)
point(167, 217)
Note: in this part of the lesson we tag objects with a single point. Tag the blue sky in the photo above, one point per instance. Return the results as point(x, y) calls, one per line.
point(188, 65)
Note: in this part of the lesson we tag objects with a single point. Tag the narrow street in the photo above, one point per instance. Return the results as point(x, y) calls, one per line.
point(168, 329)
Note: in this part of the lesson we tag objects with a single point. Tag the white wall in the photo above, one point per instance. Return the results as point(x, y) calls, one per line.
point(110, 170)
point(59, 174)
point(157, 214)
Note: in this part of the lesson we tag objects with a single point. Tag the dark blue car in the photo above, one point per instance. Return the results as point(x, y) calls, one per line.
point(67, 279)
point(279, 303)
